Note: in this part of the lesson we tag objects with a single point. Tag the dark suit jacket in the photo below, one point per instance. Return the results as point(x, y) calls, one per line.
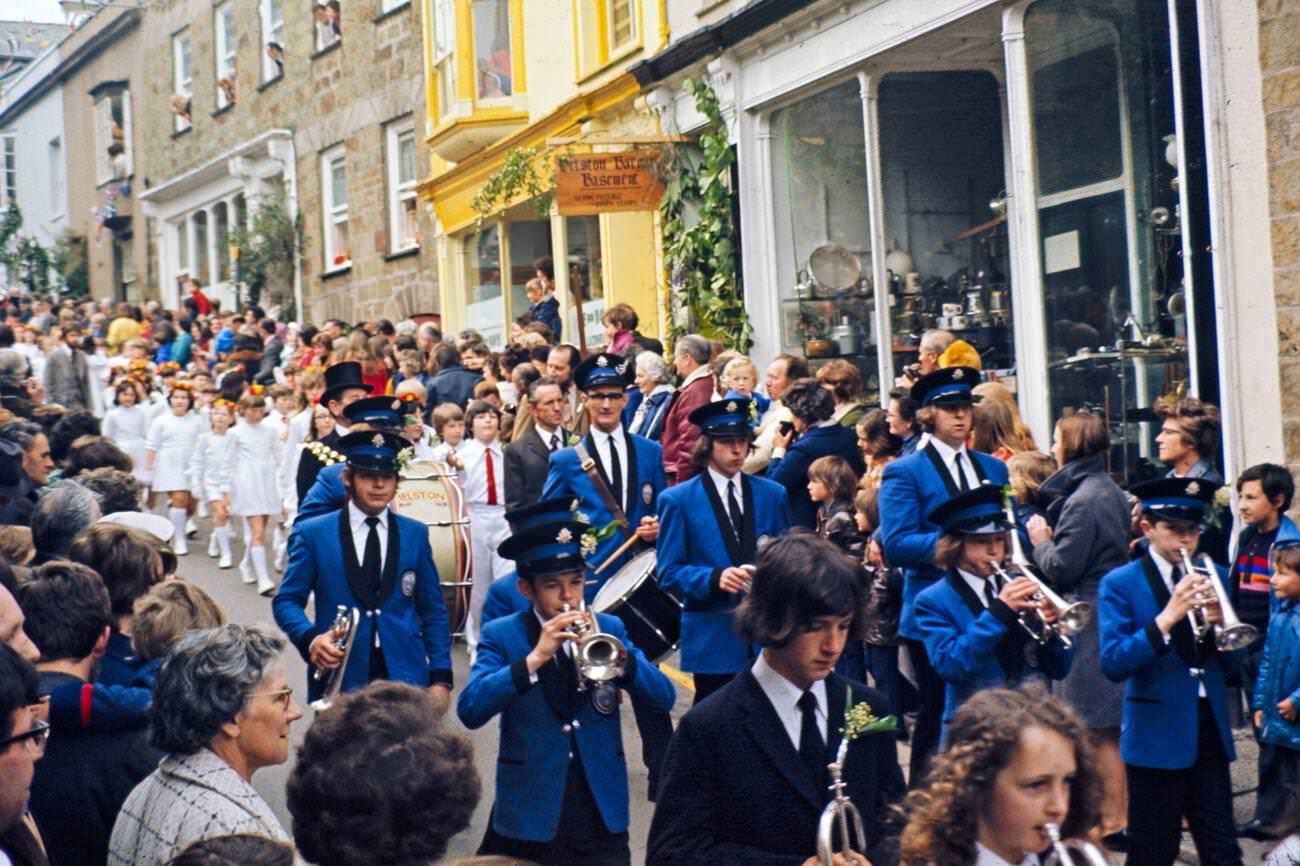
point(309, 467)
point(734, 791)
point(526, 462)
point(270, 358)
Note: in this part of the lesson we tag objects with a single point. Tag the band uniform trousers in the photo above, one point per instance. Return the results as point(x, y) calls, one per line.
point(929, 715)
point(1159, 800)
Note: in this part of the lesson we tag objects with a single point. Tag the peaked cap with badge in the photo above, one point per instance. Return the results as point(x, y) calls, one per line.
point(1189, 499)
point(603, 368)
point(950, 386)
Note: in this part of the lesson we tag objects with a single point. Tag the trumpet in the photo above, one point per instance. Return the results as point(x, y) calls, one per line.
point(1063, 850)
point(1072, 618)
point(341, 632)
point(839, 815)
point(1232, 633)
point(600, 657)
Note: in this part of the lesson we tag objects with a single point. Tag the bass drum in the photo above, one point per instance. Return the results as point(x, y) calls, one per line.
point(430, 494)
point(653, 617)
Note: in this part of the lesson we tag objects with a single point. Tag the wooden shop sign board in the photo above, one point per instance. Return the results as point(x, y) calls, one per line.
point(595, 183)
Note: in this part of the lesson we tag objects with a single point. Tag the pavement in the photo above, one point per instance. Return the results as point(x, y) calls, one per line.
point(242, 604)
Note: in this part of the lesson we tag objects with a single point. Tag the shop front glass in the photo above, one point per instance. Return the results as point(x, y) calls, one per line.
point(823, 239)
point(586, 281)
point(485, 310)
point(528, 241)
point(1109, 215)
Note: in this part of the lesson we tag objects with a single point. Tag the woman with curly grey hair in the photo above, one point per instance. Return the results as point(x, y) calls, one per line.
point(221, 711)
point(814, 434)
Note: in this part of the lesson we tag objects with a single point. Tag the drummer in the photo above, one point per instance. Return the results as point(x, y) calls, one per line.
point(367, 557)
point(369, 413)
point(709, 528)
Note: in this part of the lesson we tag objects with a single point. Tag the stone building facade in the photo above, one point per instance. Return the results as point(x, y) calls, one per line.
point(335, 127)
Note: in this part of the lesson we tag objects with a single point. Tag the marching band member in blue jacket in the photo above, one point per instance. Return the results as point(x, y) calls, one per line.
point(910, 489)
point(709, 527)
point(1176, 738)
point(630, 467)
point(504, 597)
point(971, 618)
point(367, 557)
point(561, 780)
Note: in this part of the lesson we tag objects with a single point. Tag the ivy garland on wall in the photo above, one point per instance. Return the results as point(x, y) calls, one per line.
point(518, 175)
point(700, 254)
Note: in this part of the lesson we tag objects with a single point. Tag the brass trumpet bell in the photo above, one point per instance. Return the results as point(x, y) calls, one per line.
point(600, 657)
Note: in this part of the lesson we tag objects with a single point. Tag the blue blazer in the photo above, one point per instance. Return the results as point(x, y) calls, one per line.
point(695, 544)
point(1161, 695)
point(326, 495)
point(645, 481)
point(791, 471)
point(411, 617)
point(975, 647)
point(1279, 676)
point(503, 598)
point(911, 488)
point(541, 723)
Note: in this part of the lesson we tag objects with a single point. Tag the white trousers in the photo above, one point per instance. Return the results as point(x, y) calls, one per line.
point(487, 529)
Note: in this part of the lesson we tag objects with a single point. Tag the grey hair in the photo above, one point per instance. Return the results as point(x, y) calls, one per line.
point(65, 510)
point(14, 369)
point(654, 366)
point(936, 340)
point(204, 682)
point(21, 432)
point(695, 346)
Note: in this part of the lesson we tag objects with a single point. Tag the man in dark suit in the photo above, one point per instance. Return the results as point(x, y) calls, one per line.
point(343, 387)
point(270, 353)
point(746, 776)
point(527, 457)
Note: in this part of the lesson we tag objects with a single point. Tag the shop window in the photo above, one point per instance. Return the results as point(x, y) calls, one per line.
point(403, 204)
point(182, 82)
point(442, 38)
point(224, 56)
point(492, 49)
point(328, 16)
point(334, 203)
point(1109, 214)
point(944, 216)
point(271, 13)
point(586, 281)
point(529, 240)
point(823, 241)
point(606, 29)
point(484, 303)
point(621, 15)
point(112, 135)
point(10, 167)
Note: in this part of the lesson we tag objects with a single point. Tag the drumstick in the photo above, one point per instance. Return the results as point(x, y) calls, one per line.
point(616, 554)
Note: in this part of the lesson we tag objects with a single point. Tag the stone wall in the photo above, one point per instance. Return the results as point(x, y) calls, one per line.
point(346, 94)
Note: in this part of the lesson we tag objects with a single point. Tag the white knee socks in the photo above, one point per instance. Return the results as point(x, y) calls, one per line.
point(179, 544)
point(264, 583)
point(222, 536)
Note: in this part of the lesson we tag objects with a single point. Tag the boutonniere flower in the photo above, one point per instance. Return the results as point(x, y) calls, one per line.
point(572, 440)
point(859, 721)
point(593, 536)
point(404, 457)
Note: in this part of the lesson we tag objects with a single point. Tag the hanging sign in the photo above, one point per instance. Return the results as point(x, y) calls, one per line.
point(595, 183)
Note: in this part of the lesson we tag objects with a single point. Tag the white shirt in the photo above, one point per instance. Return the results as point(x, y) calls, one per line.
point(1166, 569)
point(616, 440)
point(474, 479)
point(361, 532)
point(949, 454)
point(721, 481)
point(985, 857)
point(784, 697)
point(976, 584)
point(545, 435)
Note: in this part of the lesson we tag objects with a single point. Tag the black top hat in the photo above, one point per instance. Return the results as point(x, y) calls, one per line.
point(340, 377)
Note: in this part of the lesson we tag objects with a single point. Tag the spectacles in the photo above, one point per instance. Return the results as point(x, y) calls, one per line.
point(283, 696)
point(605, 397)
point(37, 735)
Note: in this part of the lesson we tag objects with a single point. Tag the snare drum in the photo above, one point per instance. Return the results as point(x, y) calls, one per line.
point(653, 617)
point(430, 494)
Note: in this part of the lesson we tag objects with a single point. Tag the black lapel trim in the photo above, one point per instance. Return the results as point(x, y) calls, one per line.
point(769, 735)
point(633, 483)
point(391, 557)
point(979, 470)
point(837, 696)
point(748, 528)
point(1181, 637)
point(939, 467)
point(964, 591)
point(1010, 650)
point(362, 590)
point(558, 684)
point(720, 515)
point(594, 454)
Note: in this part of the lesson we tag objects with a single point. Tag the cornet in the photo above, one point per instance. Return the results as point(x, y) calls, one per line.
point(600, 657)
point(1061, 850)
point(1071, 618)
point(341, 633)
point(839, 815)
point(1232, 633)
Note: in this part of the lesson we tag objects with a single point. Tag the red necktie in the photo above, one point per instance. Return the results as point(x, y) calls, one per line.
point(491, 478)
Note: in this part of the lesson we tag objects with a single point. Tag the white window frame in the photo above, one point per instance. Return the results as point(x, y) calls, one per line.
point(58, 196)
point(614, 45)
point(333, 213)
point(223, 26)
point(325, 35)
point(442, 26)
point(182, 75)
point(103, 117)
point(400, 191)
point(9, 168)
point(272, 31)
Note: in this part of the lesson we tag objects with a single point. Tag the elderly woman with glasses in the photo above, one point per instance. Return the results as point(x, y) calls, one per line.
point(654, 394)
point(222, 710)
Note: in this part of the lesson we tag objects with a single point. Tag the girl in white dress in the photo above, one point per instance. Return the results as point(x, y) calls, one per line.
point(126, 424)
point(252, 466)
point(170, 445)
point(208, 469)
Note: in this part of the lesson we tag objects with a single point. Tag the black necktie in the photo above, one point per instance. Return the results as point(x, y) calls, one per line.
point(733, 508)
point(555, 442)
point(962, 484)
point(812, 748)
point(615, 471)
point(990, 590)
point(372, 565)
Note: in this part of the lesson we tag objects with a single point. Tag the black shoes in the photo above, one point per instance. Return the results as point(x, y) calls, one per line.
point(1257, 830)
point(1117, 841)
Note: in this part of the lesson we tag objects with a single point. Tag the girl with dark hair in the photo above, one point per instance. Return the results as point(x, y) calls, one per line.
point(1016, 761)
point(127, 423)
point(832, 485)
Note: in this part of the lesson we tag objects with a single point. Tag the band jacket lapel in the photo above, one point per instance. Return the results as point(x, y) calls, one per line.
point(769, 734)
point(720, 516)
point(558, 682)
point(363, 590)
point(941, 469)
point(1183, 640)
point(748, 538)
point(1011, 649)
point(633, 483)
point(392, 557)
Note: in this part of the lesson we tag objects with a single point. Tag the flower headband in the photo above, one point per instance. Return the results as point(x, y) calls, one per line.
point(257, 390)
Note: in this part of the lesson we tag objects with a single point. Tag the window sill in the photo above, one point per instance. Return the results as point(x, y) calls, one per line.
point(333, 46)
point(186, 131)
point(223, 109)
point(403, 253)
point(396, 10)
point(337, 271)
point(615, 58)
point(268, 82)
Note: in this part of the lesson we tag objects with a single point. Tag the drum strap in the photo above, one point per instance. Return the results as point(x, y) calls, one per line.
point(598, 481)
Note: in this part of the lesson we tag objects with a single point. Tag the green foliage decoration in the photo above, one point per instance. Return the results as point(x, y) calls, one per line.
point(71, 261)
point(268, 252)
point(22, 256)
point(518, 176)
point(699, 233)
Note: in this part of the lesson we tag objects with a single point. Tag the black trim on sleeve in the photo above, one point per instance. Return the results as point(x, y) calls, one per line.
point(520, 677)
point(1157, 638)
